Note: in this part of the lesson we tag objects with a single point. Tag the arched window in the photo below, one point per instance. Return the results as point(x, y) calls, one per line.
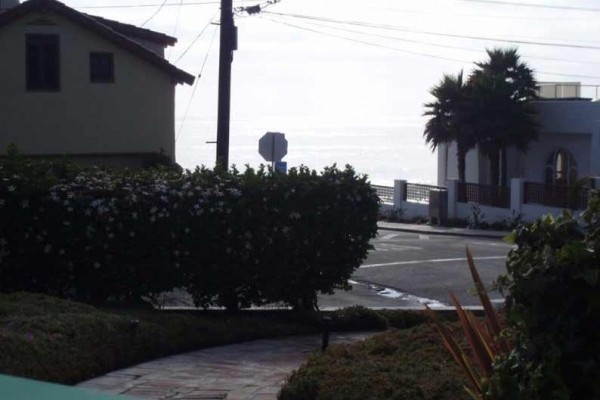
point(561, 168)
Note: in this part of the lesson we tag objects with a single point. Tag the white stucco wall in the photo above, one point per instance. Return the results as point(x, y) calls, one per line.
point(569, 124)
point(133, 115)
point(534, 162)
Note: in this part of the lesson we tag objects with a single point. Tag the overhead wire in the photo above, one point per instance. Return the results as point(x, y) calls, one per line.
point(446, 46)
point(462, 61)
point(532, 5)
point(155, 13)
point(423, 32)
point(148, 5)
point(176, 27)
point(198, 36)
point(187, 109)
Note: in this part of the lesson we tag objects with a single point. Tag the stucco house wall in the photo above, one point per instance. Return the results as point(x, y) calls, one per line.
point(133, 115)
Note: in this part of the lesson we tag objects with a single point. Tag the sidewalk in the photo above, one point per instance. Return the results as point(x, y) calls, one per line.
point(441, 230)
point(246, 371)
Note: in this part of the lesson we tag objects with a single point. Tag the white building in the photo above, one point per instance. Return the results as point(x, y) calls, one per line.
point(548, 178)
point(568, 147)
point(94, 89)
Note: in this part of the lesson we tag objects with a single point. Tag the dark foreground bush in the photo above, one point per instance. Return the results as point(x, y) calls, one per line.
point(61, 341)
point(407, 364)
point(553, 302)
point(231, 239)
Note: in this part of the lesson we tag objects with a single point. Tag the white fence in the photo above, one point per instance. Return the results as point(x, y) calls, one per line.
point(522, 199)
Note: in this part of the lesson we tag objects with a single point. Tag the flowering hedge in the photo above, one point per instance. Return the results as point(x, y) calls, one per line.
point(231, 239)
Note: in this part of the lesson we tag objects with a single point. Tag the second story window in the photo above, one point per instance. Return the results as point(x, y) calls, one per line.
point(102, 68)
point(42, 62)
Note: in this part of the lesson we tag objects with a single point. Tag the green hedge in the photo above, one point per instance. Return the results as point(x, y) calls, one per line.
point(232, 239)
point(553, 303)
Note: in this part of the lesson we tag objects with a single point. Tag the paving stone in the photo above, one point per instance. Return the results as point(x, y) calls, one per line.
point(246, 371)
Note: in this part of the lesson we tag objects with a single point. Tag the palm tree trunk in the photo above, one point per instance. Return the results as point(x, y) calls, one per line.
point(461, 155)
point(494, 168)
point(503, 168)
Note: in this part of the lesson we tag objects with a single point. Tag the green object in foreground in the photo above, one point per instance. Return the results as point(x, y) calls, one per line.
point(14, 388)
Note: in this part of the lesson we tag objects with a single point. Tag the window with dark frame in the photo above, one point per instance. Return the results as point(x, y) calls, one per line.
point(42, 62)
point(102, 67)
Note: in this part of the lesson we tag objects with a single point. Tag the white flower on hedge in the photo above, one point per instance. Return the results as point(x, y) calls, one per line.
point(164, 199)
point(235, 192)
point(132, 234)
point(153, 219)
point(134, 215)
point(153, 210)
point(88, 212)
point(2, 201)
point(96, 203)
point(295, 215)
point(228, 250)
point(11, 188)
point(47, 248)
point(3, 242)
point(25, 203)
point(285, 229)
point(67, 223)
point(96, 265)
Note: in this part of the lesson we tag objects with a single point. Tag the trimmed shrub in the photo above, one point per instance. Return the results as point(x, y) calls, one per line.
point(399, 365)
point(358, 318)
point(553, 303)
point(231, 239)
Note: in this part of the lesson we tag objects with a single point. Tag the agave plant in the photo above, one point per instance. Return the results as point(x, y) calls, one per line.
point(484, 338)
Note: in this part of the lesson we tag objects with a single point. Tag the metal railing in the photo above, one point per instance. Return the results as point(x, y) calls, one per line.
point(567, 90)
point(572, 197)
point(419, 193)
point(385, 193)
point(485, 195)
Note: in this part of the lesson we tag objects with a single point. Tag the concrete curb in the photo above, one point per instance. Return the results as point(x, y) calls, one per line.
point(390, 226)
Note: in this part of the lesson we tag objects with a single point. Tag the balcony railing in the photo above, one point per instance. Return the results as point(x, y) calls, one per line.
point(484, 195)
point(572, 197)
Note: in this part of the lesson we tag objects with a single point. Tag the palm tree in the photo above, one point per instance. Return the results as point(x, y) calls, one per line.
point(446, 113)
point(501, 90)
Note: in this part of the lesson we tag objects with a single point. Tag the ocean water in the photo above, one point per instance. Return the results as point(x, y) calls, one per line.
point(384, 152)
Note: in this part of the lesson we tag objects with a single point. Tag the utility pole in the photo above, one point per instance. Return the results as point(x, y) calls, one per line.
point(227, 46)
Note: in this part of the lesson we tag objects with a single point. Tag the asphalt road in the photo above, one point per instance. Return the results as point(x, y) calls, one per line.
point(409, 269)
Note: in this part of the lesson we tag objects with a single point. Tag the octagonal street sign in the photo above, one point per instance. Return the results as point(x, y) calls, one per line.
point(273, 146)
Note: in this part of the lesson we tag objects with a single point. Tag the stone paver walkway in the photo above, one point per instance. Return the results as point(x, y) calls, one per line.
point(245, 371)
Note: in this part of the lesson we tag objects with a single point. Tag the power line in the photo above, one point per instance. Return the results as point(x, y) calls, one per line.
point(402, 29)
point(446, 46)
point(195, 3)
point(155, 13)
point(198, 36)
point(187, 109)
point(519, 4)
point(414, 52)
point(176, 27)
point(365, 42)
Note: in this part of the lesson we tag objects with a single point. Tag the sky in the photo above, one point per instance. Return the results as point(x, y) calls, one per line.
point(346, 80)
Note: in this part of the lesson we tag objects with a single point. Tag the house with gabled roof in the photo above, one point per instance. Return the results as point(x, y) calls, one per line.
point(94, 89)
